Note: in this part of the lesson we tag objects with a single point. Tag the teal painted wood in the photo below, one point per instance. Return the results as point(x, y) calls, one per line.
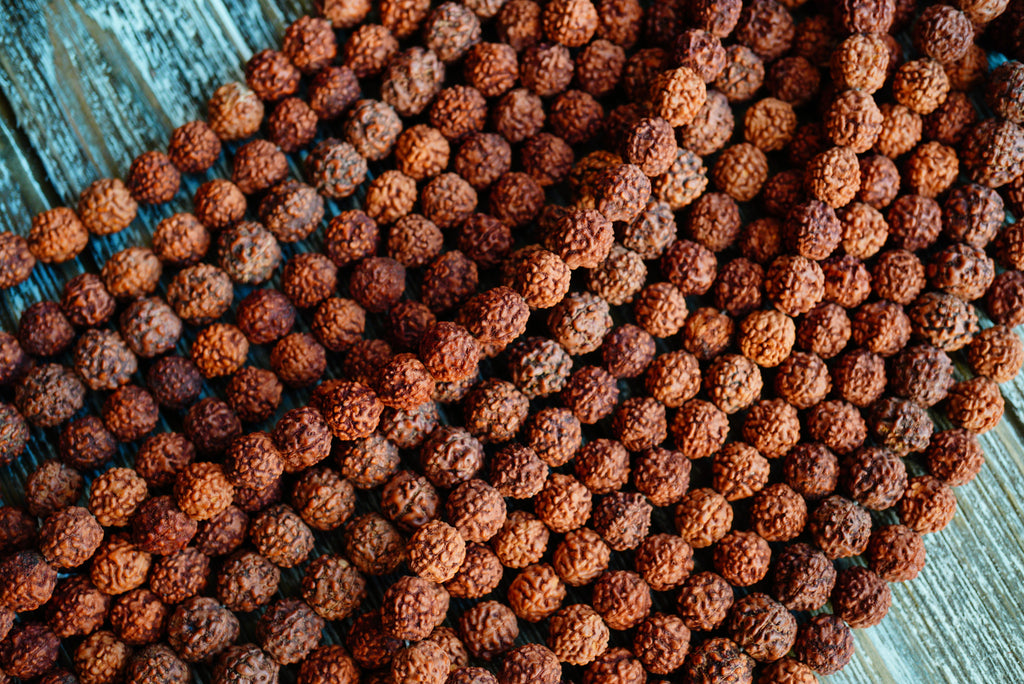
point(88, 84)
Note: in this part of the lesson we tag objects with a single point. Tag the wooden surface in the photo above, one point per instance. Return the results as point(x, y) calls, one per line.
point(88, 84)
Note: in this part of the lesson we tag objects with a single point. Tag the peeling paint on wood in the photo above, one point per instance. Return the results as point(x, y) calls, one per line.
point(88, 84)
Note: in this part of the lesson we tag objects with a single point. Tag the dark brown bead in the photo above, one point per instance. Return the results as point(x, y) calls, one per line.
point(86, 302)
point(130, 413)
point(174, 381)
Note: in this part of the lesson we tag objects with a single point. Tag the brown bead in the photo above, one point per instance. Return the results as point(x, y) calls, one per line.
point(56, 235)
point(292, 125)
point(928, 505)
point(861, 597)
point(328, 663)
point(291, 210)
point(412, 607)
point(794, 284)
point(478, 575)
point(338, 323)
point(150, 327)
point(51, 487)
point(704, 601)
point(17, 529)
point(210, 425)
point(802, 577)
point(764, 628)
point(138, 617)
point(896, 553)
point(778, 513)
point(369, 462)
point(323, 499)
point(234, 112)
point(271, 76)
point(738, 471)
point(900, 130)
point(772, 427)
point(160, 527)
point(825, 643)
point(309, 43)
point(488, 629)
point(200, 294)
point(115, 495)
point(369, 645)
point(742, 558)
point(931, 169)
point(840, 527)
point(450, 29)
point(201, 628)
point(153, 178)
point(898, 275)
point(202, 491)
point(922, 374)
point(27, 581)
point(424, 661)
point(879, 181)
point(193, 147)
point(370, 47)
point(131, 273)
point(882, 327)
point(622, 519)
point(699, 428)
point(1004, 301)
point(44, 330)
point(404, 382)
point(248, 253)
point(130, 413)
point(14, 436)
point(874, 477)
point(456, 112)
point(409, 500)
point(280, 534)
point(943, 33)
point(157, 663)
point(920, 85)
point(298, 360)
point(836, 424)
point(242, 661)
point(535, 593)
point(17, 260)
point(577, 635)
point(106, 206)
point(119, 566)
point(961, 270)
point(179, 576)
point(900, 425)
point(29, 651)
point(257, 166)
point(77, 607)
point(547, 158)
point(86, 302)
point(218, 204)
point(247, 581)
point(622, 598)
point(412, 79)
point(49, 395)
point(223, 533)
point(219, 349)
point(372, 128)
point(944, 320)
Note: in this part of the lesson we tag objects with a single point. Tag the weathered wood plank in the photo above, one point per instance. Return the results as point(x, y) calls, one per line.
point(88, 84)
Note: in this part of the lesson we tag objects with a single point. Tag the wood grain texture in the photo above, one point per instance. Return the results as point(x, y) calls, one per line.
point(88, 84)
